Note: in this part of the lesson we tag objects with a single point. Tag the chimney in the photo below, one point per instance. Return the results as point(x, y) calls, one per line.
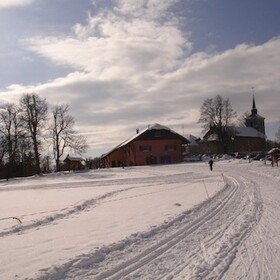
point(137, 131)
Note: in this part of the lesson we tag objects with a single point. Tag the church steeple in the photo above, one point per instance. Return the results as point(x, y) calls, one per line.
point(255, 120)
point(254, 110)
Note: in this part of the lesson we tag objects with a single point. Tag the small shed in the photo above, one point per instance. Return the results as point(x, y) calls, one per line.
point(74, 163)
point(274, 152)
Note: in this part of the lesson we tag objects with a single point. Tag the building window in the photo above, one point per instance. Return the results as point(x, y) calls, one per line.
point(170, 148)
point(145, 149)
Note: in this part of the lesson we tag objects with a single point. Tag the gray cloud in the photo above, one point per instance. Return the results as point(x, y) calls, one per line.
point(129, 72)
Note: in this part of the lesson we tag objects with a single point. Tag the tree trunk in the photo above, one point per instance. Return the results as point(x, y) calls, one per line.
point(37, 156)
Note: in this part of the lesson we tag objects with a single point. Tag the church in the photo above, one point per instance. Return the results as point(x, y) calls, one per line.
point(242, 139)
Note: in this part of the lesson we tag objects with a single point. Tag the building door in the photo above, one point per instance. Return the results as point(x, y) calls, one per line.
point(151, 160)
point(165, 160)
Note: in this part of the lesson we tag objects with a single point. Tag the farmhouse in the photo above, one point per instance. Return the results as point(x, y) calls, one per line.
point(157, 144)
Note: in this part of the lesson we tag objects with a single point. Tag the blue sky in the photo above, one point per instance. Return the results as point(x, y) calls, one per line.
point(124, 64)
point(225, 24)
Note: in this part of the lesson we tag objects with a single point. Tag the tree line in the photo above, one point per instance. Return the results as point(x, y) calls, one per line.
point(27, 128)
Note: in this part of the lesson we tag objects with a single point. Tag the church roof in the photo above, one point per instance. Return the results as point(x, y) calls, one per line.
point(255, 116)
point(238, 131)
point(247, 132)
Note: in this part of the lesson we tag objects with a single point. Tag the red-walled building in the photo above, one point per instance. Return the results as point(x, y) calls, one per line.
point(155, 145)
point(74, 163)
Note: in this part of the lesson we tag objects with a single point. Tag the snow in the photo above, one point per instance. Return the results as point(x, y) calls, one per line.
point(192, 139)
point(248, 132)
point(240, 131)
point(154, 222)
point(273, 150)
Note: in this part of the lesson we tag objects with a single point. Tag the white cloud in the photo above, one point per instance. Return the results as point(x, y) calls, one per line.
point(131, 70)
point(14, 3)
point(111, 46)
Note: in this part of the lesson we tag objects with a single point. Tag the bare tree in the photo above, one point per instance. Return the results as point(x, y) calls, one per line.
point(218, 113)
point(241, 121)
point(34, 111)
point(2, 149)
point(63, 134)
point(10, 129)
point(25, 156)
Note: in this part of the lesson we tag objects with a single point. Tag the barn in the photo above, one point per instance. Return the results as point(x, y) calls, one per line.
point(74, 163)
point(156, 144)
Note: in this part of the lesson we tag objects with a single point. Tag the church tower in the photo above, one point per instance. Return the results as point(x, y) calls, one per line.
point(255, 120)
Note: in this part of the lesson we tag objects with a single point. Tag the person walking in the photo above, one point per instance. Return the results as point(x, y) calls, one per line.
point(211, 164)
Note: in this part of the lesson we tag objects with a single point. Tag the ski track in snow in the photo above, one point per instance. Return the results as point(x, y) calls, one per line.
point(188, 239)
point(63, 213)
point(258, 256)
point(233, 235)
point(179, 249)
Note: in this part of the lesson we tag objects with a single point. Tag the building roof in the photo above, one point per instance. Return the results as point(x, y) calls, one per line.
point(238, 131)
point(274, 150)
point(156, 126)
point(193, 140)
point(255, 116)
point(80, 159)
point(247, 132)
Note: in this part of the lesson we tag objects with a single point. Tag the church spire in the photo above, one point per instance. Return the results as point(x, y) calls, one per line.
point(255, 120)
point(254, 110)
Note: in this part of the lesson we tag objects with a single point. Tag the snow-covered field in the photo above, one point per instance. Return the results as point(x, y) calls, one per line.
point(160, 222)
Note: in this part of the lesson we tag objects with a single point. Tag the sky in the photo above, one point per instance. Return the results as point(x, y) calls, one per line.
point(122, 65)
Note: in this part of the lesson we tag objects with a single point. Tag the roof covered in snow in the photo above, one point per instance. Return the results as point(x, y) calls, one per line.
point(237, 131)
point(274, 150)
point(247, 132)
point(69, 158)
point(193, 140)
